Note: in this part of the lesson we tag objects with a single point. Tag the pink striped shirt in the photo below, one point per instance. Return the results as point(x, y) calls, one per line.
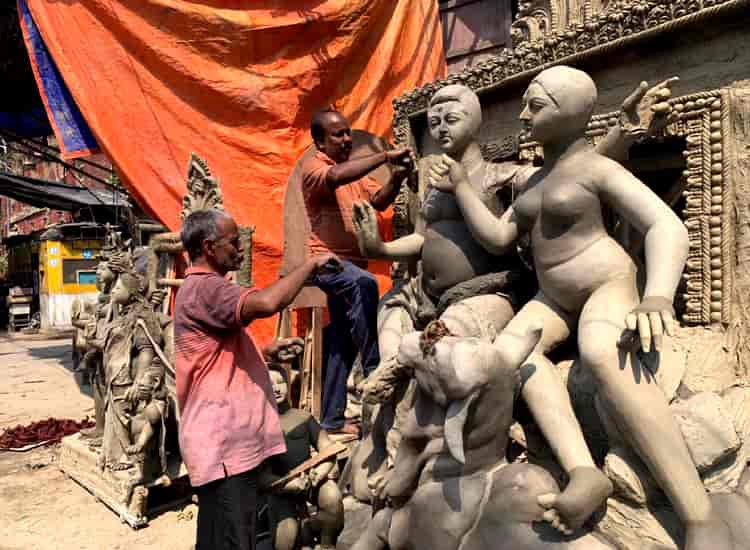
point(229, 423)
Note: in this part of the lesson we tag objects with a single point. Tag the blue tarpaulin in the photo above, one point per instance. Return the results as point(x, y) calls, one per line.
point(73, 134)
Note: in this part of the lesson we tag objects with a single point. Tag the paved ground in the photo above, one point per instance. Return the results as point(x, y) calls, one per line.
point(39, 506)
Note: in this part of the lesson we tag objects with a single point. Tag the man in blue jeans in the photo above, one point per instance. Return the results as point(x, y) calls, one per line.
point(331, 184)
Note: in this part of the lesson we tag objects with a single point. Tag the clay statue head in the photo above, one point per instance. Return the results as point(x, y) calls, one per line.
point(457, 370)
point(127, 288)
point(104, 276)
point(454, 117)
point(332, 134)
point(558, 103)
point(280, 385)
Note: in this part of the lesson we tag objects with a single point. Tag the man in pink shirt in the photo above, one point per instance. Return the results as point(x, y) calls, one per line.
point(229, 423)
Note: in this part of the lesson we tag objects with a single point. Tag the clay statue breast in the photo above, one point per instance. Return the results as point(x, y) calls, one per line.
point(567, 200)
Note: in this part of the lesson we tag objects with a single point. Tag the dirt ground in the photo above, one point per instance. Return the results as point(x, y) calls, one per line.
point(39, 506)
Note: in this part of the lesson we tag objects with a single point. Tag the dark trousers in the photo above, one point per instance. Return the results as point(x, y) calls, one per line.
point(353, 308)
point(227, 513)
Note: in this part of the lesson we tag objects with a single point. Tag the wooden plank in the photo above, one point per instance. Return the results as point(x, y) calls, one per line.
point(310, 463)
point(317, 361)
point(304, 396)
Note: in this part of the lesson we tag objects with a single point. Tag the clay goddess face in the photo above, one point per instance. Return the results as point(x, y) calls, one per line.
point(451, 126)
point(120, 292)
point(280, 387)
point(541, 117)
point(104, 275)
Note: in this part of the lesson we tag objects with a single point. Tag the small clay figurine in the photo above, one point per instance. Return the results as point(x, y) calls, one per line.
point(315, 486)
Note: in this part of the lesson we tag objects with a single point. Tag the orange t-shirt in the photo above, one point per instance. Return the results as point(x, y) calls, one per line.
point(330, 212)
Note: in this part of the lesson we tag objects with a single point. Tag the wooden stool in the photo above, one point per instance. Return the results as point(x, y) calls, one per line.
point(310, 304)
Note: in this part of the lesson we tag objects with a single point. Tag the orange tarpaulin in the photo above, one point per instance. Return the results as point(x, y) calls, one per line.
point(235, 82)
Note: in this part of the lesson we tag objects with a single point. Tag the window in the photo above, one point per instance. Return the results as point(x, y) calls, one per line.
point(86, 277)
point(71, 269)
point(474, 29)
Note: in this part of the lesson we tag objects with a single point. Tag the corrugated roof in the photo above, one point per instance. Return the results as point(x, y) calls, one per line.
point(60, 196)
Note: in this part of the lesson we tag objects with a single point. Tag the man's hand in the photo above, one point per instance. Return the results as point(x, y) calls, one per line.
point(446, 166)
point(365, 221)
point(400, 158)
point(284, 350)
point(651, 319)
point(326, 262)
point(646, 111)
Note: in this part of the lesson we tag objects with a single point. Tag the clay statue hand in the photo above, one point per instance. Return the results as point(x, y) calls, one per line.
point(446, 166)
point(319, 474)
point(365, 222)
point(131, 394)
point(157, 297)
point(143, 392)
point(646, 111)
point(284, 350)
point(298, 485)
point(651, 319)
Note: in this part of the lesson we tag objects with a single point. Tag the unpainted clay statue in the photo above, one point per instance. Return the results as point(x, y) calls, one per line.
point(136, 393)
point(92, 326)
point(472, 289)
point(587, 284)
point(452, 486)
point(317, 486)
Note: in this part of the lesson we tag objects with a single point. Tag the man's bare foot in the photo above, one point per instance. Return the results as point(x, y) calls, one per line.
point(712, 533)
point(587, 489)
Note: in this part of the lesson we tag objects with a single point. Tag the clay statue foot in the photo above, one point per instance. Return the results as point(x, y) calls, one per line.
point(121, 465)
point(133, 449)
point(95, 443)
point(712, 533)
point(587, 489)
point(91, 433)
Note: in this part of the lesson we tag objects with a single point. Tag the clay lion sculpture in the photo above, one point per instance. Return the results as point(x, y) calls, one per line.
point(452, 486)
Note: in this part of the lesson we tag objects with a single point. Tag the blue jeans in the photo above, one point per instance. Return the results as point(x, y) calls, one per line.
point(353, 309)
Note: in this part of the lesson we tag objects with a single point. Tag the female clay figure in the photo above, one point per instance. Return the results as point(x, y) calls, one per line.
point(448, 252)
point(587, 281)
point(451, 255)
point(136, 397)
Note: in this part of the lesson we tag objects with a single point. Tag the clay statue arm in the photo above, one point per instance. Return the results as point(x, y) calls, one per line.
point(370, 243)
point(644, 112)
point(493, 233)
point(666, 248)
point(320, 440)
point(274, 298)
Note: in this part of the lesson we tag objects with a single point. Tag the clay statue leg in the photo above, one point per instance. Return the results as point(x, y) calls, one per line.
point(638, 406)
point(393, 323)
point(283, 515)
point(549, 402)
point(330, 513)
point(375, 536)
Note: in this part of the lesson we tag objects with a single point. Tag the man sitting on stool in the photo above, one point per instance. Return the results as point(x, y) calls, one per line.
point(331, 184)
